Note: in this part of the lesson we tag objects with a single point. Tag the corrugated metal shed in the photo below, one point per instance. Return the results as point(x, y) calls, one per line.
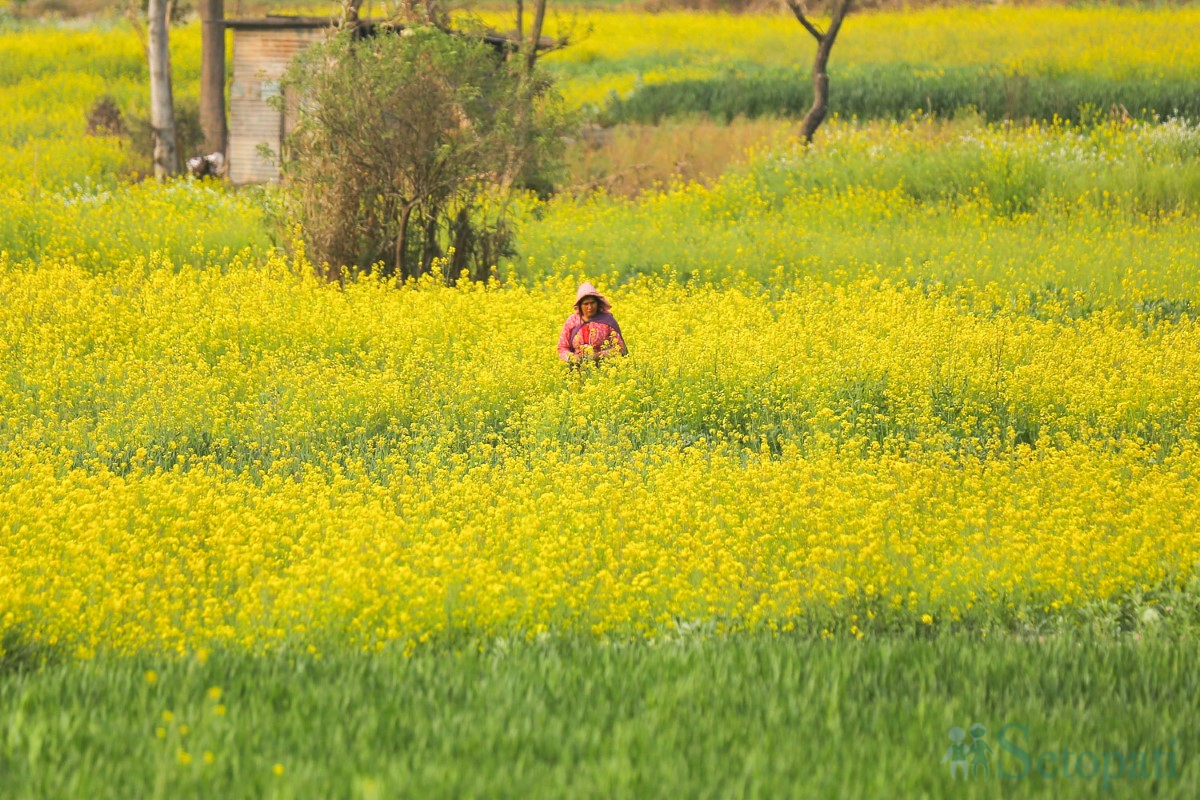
point(262, 51)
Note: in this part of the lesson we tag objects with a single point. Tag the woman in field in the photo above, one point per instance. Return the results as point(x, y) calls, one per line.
point(591, 333)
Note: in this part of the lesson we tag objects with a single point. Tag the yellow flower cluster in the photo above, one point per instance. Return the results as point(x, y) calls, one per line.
point(248, 458)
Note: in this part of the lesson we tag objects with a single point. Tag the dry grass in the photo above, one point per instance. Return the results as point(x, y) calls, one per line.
point(629, 159)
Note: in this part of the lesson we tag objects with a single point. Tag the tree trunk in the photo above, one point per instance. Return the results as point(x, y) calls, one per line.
point(402, 242)
point(429, 247)
point(162, 106)
point(212, 75)
point(825, 39)
point(820, 104)
point(460, 236)
point(535, 35)
point(520, 20)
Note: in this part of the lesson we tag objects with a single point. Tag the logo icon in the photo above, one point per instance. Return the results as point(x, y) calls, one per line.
point(978, 750)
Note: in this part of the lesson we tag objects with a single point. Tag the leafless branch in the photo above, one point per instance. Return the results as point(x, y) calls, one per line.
point(555, 44)
point(816, 32)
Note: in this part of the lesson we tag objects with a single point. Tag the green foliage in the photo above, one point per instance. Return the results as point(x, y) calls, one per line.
point(402, 141)
point(692, 717)
point(1107, 210)
point(896, 91)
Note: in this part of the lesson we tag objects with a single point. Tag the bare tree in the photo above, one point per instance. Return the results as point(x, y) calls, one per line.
point(162, 106)
point(825, 39)
point(212, 79)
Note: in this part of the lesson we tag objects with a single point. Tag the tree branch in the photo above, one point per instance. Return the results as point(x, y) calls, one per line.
point(808, 26)
point(557, 44)
point(535, 35)
point(835, 24)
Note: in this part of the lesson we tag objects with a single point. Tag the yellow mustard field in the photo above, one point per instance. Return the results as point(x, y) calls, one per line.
point(618, 51)
point(922, 376)
point(248, 457)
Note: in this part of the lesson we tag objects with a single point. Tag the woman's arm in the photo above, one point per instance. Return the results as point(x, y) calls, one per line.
point(565, 350)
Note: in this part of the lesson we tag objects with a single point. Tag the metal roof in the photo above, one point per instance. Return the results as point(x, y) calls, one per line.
point(364, 26)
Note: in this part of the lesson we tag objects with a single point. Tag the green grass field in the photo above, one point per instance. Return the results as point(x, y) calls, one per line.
point(697, 717)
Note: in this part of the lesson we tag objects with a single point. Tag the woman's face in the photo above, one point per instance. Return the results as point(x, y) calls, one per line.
point(588, 307)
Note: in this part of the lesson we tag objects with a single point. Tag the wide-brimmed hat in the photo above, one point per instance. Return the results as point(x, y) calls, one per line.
point(587, 290)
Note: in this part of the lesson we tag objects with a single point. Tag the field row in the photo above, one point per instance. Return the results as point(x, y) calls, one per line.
point(248, 458)
point(1010, 215)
